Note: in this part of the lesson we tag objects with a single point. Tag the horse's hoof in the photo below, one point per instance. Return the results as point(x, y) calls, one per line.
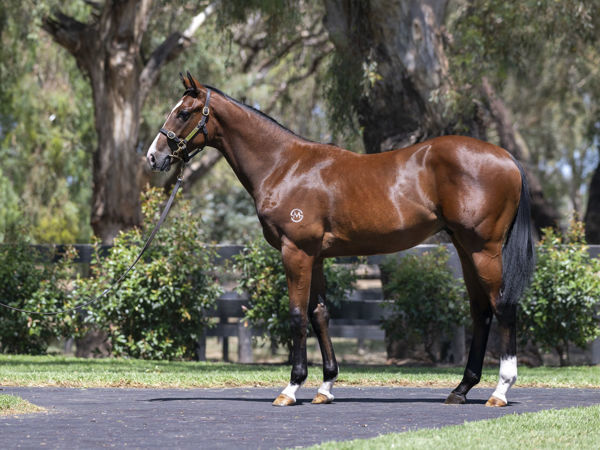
point(321, 399)
point(456, 399)
point(284, 400)
point(495, 402)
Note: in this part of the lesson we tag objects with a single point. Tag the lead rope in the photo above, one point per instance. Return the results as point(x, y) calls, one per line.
point(162, 218)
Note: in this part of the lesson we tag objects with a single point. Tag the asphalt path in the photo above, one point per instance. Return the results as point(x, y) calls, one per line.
point(244, 417)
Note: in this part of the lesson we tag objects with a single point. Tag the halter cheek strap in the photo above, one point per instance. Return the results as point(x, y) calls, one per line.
point(181, 151)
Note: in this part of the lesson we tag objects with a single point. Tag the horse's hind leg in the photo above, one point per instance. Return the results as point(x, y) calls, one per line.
point(483, 274)
point(508, 355)
point(319, 318)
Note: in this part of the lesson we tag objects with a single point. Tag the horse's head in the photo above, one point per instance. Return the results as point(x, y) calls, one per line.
point(185, 132)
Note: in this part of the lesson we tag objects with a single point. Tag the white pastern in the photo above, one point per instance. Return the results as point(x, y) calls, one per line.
point(325, 389)
point(291, 390)
point(507, 377)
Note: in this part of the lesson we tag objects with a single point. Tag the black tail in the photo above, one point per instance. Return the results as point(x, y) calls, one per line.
point(518, 255)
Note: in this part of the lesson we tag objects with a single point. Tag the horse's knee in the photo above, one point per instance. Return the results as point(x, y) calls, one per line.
point(298, 320)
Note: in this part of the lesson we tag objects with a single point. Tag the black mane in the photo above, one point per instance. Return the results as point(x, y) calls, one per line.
point(194, 93)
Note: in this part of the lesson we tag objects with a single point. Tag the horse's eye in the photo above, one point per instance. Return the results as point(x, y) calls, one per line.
point(183, 115)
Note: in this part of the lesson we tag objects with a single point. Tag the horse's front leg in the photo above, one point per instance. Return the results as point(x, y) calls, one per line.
point(319, 318)
point(298, 268)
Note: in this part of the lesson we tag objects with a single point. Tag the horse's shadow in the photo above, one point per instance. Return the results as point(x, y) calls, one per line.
point(301, 401)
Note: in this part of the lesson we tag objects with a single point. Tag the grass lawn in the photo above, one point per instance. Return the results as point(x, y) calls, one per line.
point(68, 371)
point(565, 428)
point(11, 405)
point(575, 427)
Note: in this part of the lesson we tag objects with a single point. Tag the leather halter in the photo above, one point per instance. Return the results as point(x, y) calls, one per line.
point(179, 146)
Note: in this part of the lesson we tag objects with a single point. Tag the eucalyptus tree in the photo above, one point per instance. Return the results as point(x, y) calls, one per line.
point(122, 64)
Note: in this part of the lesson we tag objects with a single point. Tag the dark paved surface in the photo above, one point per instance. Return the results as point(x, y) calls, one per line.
point(244, 418)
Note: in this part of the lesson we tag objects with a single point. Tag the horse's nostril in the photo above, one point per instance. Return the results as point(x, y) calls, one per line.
point(152, 161)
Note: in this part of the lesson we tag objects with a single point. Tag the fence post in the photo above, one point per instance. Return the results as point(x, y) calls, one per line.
point(201, 346)
point(595, 351)
point(225, 341)
point(244, 342)
point(458, 345)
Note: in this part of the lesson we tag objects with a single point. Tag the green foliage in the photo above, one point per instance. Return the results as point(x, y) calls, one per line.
point(280, 16)
point(227, 210)
point(263, 278)
point(28, 284)
point(343, 88)
point(428, 300)
point(46, 128)
point(561, 305)
point(10, 214)
point(158, 311)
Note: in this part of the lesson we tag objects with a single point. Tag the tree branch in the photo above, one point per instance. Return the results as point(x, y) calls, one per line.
point(66, 31)
point(298, 78)
point(171, 47)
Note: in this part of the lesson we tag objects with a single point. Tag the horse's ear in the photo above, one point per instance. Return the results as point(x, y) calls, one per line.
point(183, 80)
point(192, 81)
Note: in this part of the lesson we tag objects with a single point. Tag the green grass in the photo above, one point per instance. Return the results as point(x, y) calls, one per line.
point(11, 405)
point(23, 370)
point(564, 428)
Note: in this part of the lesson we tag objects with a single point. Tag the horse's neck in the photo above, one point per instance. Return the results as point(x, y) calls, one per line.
point(253, 146)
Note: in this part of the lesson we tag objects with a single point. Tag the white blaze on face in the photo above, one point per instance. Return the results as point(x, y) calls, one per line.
point(508, 376)
point(152, 148)
point(173, 110)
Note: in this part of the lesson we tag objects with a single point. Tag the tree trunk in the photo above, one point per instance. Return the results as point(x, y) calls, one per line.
point(116, 165)
point(108, 50)
point(399, 43)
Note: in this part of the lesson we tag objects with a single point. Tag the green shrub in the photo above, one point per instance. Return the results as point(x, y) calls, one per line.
point(158, 311)
point(428, 301)
point(28, 281)
point(262, 276)
point(561, 305)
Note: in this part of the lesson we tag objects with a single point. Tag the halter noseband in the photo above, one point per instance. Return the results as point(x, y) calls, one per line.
point(181, 152)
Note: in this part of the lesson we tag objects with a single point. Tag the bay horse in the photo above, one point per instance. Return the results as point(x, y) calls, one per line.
point(318, 201)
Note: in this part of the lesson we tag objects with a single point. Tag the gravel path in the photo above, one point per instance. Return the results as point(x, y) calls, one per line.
point(244, 418)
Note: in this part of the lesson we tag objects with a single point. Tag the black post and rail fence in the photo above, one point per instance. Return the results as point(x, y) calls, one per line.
point(359, 317)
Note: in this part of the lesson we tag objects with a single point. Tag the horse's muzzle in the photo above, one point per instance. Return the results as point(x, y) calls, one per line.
point(161, 163)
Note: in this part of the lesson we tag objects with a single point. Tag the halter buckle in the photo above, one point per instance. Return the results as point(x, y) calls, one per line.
point(205, 111)
point(170, 135)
